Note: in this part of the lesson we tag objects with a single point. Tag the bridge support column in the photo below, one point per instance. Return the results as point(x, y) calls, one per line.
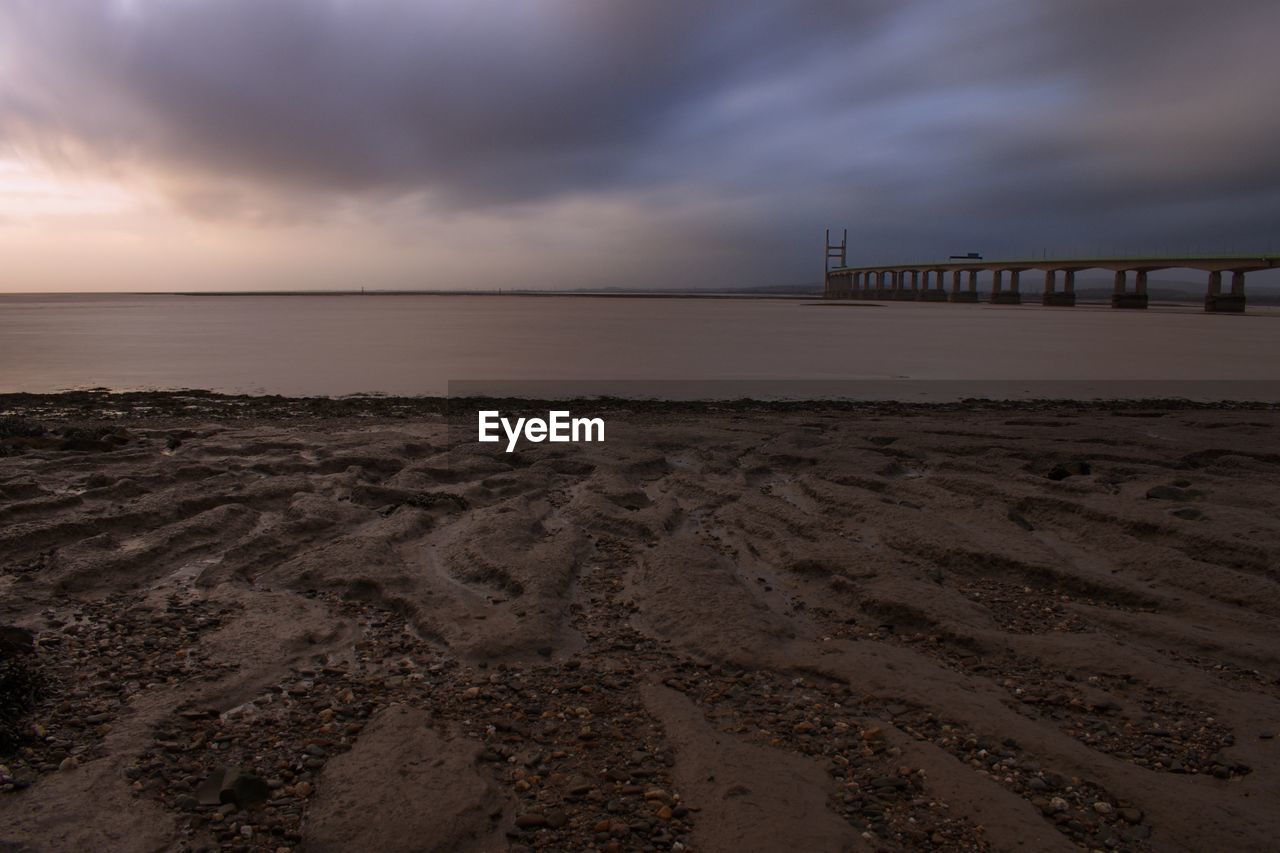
point(934, 294)
point(1218, 302)
point(900, 289)
point(968, 295)
point(1121, 298)
point(1052, 296)
point(1000, 296)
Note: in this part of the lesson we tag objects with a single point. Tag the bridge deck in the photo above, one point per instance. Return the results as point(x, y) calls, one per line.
point(1206, 263)
point(912, 281)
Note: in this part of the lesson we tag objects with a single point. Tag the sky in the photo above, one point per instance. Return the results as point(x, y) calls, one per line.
point(334, 144)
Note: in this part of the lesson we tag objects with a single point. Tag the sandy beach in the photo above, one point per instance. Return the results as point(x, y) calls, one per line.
point(264, 623)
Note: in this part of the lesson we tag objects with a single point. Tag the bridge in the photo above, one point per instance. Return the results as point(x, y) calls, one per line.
point(927, 282)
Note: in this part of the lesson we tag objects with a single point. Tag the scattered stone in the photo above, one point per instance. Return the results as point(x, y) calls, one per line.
point(243, 789)
point(16, 641)
point(210, 791)
point(1172, 493)
point(1063, 470)
point(1018, 519)
point(531, 821)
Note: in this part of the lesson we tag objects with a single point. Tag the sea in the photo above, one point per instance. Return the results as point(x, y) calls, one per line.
point(641, 346)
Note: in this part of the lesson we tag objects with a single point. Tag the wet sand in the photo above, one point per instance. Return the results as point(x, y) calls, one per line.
point(729, 627)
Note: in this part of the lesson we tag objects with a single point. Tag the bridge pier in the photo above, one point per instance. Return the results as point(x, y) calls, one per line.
point(1121, 298)
point(1052, 296)
point(1217, 302)
point(901, 292)
point(1000, 296)
point(968, 295)
point(933, 294)
point(970, 292)
point(913, 292)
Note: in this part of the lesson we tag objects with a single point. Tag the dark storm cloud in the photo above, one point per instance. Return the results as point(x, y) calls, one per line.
point(481, 101)
point(922, 125)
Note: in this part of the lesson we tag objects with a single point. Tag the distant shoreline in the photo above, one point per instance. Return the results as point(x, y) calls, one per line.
point(1086, 296)
point(588, 294)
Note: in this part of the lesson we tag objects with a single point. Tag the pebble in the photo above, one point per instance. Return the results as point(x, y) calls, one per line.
point(531, 821)
point(1063, 470)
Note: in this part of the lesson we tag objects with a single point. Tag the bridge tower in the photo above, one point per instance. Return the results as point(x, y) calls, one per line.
point(835, 252)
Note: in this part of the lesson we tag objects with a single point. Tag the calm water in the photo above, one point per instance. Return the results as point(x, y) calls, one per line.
point(332, 345)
